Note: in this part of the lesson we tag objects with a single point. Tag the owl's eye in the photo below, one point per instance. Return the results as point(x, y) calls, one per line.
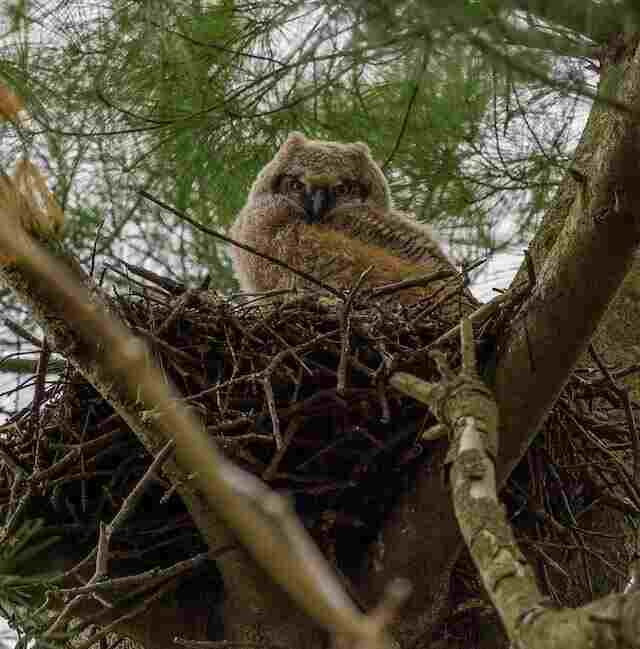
point(343, 188)
point(295, 185)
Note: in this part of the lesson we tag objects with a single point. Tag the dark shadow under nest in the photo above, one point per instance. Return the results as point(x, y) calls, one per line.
point(266, 378)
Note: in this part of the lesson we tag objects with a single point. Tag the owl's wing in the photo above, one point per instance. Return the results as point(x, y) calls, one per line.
point(403, 238)
point(392, 230)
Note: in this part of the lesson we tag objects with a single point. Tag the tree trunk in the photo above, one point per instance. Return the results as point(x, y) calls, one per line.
point(608, 134)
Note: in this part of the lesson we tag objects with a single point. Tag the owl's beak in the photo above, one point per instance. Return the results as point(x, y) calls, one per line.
point(317, 202)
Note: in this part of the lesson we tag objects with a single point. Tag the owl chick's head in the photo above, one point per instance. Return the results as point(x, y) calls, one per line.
point(319, 176)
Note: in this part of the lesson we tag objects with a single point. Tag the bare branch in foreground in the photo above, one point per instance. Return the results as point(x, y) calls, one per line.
point(263, 520)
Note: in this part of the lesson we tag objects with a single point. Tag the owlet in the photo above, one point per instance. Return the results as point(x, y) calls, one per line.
point(325, 208)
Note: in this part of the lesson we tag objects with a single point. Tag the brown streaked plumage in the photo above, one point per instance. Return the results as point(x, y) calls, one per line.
point(325, 208)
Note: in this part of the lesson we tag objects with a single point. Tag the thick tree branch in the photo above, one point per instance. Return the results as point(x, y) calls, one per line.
point(577, 282)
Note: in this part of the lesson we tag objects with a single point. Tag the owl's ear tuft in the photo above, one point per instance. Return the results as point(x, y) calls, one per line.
point(363, 148)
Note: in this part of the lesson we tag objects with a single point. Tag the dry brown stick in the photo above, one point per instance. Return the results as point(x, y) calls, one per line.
point(422, 280)
point(153, 574)
point(276, 335)
point(246, 438)
point(632, 489)
point(64, 614)
point(10, 461)
point(321, 395)
point(268, 388)
point(18, 508)
point(87, 447)
point(234, 321)
point(146, 288)
point(229, 426)
point(183, 302)
point(345, 331)
point(77, 477)
point(294, 426)
point(38, 398)
point(104, 539)
point(259, 375)
point(83, 464)
point(223, 402)
point(481, 313)
point(136, 493)
point(171, 350)
point(21, 332)
point(309, 278)
point(164, 283)
point(131, 614)
point(101, 554)
point(273, 411)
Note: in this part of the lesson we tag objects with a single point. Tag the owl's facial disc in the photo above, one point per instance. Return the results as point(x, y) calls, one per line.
point(317, 202)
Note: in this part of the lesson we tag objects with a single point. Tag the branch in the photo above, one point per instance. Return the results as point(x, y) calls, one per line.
point(568, 87)
point(578, 280)
point(539, 39)
point(243, 246)
point(594, 20)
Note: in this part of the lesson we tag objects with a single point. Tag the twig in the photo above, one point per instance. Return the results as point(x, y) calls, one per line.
point(154, 574)
point(65, 461)
point(273, 411)
point(165, 283)
point(434, 302)
point(12, 463)
point(38, 398)
point(267, 371)
point(345, 332)
point(294, 426)
point(136, 493)
point(632, 488)
point(422, 280)
point(183, 302)
point(21, 332)
point(309, 278)
point(133, 613)
point(481, 313)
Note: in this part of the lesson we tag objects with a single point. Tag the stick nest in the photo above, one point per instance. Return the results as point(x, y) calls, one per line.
point(294, 390)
